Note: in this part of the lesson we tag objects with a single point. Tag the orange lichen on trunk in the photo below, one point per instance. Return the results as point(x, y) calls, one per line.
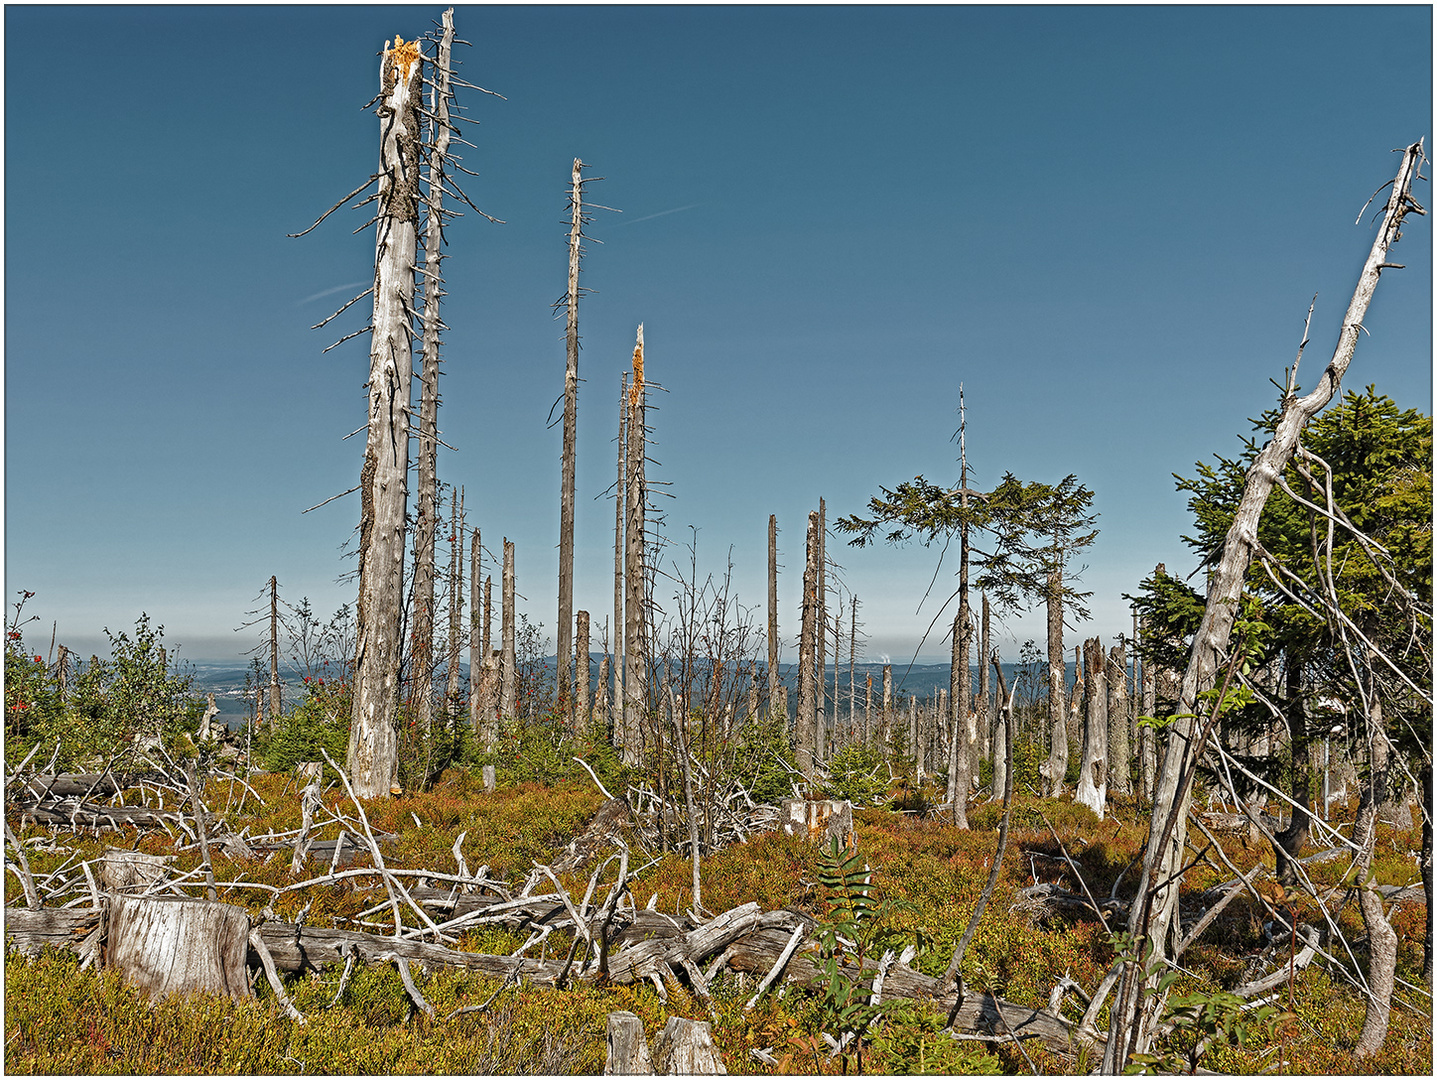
point(636, 388)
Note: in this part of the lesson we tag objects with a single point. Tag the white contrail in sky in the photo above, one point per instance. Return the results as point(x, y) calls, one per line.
point(328, 292)
point(661, 213)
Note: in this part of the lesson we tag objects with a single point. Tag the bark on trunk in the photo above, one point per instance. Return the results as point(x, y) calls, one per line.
point(985, 693)
point(1056, 766)
point(1119, 743)
point(772, 613)
point(506, 665)
point(805, 727)
point(571, 410)
point(274, 697)
point(820, 631)
point(621, 489)
point(373, 745)
point(1093, 776)
point(456, 604)
point(636, 675)
point(477, 647)
point(1381, 938)
point(959, 681)
point(581, 671)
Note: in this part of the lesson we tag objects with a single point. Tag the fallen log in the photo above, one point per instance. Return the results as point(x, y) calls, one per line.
point(86, 785)
point(27, 931)
point(750, 940)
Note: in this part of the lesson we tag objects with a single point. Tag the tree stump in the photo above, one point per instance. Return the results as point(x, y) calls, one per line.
point(132, 871)
point(818, 820)
point(628, 1053)
point(686, 1048)
point(178, 945)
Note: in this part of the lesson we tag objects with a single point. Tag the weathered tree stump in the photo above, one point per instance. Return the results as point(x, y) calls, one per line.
point(628, 1053)
point(818, 820)
point(132, 871)
point(178, 945)
point(686, 1048)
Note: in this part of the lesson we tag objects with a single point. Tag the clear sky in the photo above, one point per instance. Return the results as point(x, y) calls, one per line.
point(1105, 223)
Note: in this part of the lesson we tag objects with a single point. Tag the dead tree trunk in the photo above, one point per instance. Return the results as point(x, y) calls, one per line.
point(477, 647)
point(985, 693)
point(805, 727)
point(581, 671)
point(506, 665)
point(958, 684)
point(274, 697)
point(174, 945)
point(635, 652)
point(1381, 938)
point(772, 613)
point(373, 746)
point(1153, 920)
point(456, 602)
point(1056, 766)
point(820, 628)
point(426, 513)
point(1093, 775)
point(1119, 743)
point(885, 721)
point(621, 489)
point(571, 410)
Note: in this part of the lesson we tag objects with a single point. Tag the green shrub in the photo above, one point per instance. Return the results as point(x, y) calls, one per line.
point(764, 763)
point(859, 774)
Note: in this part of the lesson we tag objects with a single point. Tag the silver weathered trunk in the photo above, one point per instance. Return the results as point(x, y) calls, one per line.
point(772, 613)
point(1093, 775)
point(581, 670)
point(477, 647)
point(635, 650)
point(373, 745)
point(571, 409)
point(805, 726)
point(820, 628)
point(1119, 742)
point(1057, 764)
point(426, 510)
point(456, 604)
point(621, 489)
point(274, 697)
point(507, 674)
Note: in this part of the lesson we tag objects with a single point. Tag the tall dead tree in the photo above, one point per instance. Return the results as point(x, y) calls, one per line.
point(456, 601)
point(635, 652)
point(1054, 768)
point(1153, 923)
point(985, 707)
point(274, 696)
point(577, 220)
point(373, 745)
point(581, 670)
point(1093, 775)
point(805, 725)
point(820, 626)
point(772, 612)
point(426, 511)
point(960, 682)
point(477, 647)
point(507, 673)
point(621, 489)
point(1119, 740)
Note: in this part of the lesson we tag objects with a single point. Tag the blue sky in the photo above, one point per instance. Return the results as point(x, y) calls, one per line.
point(1106, 223)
